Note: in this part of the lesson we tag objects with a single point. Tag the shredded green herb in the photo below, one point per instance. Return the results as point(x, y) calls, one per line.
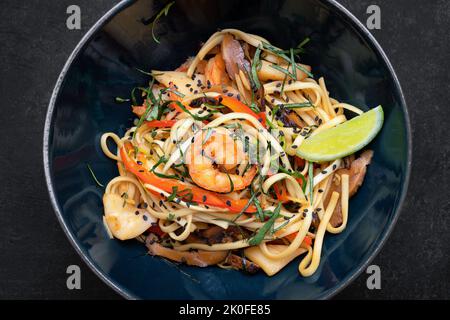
point(209, 132)
point(231, 182)
point(173, 195)
point(120, 100)
point(125, 197)
point(164, 11)
point(281, 226)
point(298, 105)
point(144, 72)
point(194, 116)
point(311, 181)
point(259, 236)
point(94, 177)
point(255, 65)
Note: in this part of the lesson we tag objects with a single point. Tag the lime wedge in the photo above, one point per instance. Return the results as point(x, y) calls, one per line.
point(344, 139)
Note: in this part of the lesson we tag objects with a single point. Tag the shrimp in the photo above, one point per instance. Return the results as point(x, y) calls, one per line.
point(212, 158)
point(124, 220)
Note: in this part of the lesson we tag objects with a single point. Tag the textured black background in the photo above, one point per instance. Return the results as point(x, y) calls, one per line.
point(34, 252)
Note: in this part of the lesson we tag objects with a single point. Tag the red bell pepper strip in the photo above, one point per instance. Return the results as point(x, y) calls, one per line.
point(237, 106)
point(281, 193)
point(155, 229)
point(160, 123)
point(199, 195)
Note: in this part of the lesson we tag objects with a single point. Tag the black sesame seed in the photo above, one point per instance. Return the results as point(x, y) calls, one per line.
point(224, 90)
point(206, 206)
point(195, 91)
point(320, 190)
point(320, 121)
point(282, 133)
point(178, 218)
point(145, 217)
point(294, 146)
point(230, 94)
point(136, 212)
point(290, 81)
point(174, 141)
point(278, 85)
point(188, 85)
point(139, 162)
point(191, 89)
point(324, 172)
point(193, 139)
point(272, 101)
point(238, 97)
point(282, 143)
point(141, 170)
point(160, 202)
point(334, 166)
point(228, 203)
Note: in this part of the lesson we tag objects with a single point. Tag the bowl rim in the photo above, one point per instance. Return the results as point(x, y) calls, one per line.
point(344, 14)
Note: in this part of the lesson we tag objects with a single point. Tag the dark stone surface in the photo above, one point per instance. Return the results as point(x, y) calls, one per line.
point(415, 263)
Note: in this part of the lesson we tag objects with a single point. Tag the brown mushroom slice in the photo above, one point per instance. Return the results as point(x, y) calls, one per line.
point(199, 258)
point(357, 172)
point(241, 263)
point(234, 56)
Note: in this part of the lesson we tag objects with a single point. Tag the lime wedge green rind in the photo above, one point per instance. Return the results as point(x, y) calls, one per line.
point(344, 139)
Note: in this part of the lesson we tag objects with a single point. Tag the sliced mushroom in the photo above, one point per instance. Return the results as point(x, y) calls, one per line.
point(357, 171)
point(241, 263)
point(234, 56)
point(198, 258)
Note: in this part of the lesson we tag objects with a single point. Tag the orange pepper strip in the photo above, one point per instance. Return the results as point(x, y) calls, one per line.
point(237, 106)
point(160, 123)
point(307, 241)
point(166, 184)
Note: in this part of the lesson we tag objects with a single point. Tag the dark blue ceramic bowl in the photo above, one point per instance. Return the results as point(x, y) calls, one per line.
point(102, 67)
